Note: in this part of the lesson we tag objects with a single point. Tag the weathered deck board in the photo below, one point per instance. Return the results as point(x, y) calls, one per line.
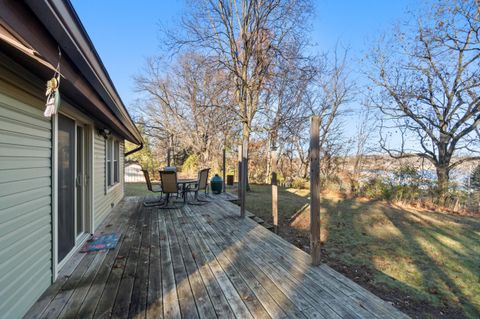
point(154, 294)
point(217, 297)
point(201, 262)
point(204, 304)
point(46, 306)
point(298, 265)
point(171, 306)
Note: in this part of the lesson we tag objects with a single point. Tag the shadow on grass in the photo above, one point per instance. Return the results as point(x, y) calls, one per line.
point(426, 263)
point(403, 252)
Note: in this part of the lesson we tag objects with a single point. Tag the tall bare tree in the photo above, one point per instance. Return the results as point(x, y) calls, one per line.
point(187, 101)
point(362, 136)
point(427, 83)
point(284, 101)
point(327, 96)
point(244, 37)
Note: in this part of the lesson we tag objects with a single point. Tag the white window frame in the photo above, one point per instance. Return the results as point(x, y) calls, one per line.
point(112, 156)
point(116, 162)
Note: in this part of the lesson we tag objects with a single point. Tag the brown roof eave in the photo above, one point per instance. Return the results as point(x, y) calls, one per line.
point(37, 43)
point(62, 22)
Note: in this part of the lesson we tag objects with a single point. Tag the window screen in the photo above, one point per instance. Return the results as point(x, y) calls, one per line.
point(109, 162)
point(116, 156)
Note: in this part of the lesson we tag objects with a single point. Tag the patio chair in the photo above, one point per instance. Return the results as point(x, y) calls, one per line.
point(154, 189)
point(168, 180)
point(202, 184)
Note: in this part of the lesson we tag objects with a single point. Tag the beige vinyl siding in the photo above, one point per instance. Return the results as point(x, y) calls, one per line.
point(25, 201)
point(104, 196)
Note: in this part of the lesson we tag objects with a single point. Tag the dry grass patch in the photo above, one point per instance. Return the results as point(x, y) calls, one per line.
point(426, 263)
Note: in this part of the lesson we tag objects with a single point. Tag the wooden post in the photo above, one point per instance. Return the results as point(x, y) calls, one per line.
point(239, 183)
point(315, 190)
point(273, 158)
point(244, 179)
point(173, 151)
point(169, 152)
point(224, 169)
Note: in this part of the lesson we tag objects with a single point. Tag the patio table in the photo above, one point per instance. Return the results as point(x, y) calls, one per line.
point(183, 182)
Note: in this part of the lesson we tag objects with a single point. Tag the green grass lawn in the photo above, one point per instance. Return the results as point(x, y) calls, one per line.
point(426, 263)
point(136, 189)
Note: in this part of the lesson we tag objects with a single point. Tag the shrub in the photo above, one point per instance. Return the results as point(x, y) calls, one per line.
point(333, 184)
point(475, 178)
point(300, 183)
point(190, 164)
point(376, 188)
point(407, 175)
point(406, 193)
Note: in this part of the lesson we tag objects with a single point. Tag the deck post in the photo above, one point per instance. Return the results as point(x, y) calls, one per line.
point(315, 190)
point(244, 179)
point(273, 158)
point(224, 160)
point(169, 150)
point(239, 183)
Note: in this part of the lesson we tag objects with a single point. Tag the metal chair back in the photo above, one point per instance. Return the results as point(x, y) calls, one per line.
point(169, 181)
point(147, 179)
point(203, 178)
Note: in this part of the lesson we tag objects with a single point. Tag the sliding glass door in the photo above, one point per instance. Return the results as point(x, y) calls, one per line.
point(80, 181)
point(72, 163)
point(66, 186)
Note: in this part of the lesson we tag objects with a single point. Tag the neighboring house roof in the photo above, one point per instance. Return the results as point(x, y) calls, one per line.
point(63, 24)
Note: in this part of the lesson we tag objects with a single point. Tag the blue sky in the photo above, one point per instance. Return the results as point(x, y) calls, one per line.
point(126, 32)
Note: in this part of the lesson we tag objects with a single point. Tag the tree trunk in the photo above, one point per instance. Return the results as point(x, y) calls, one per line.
point(306, 170)
point(245, 143)
point(244, 170)
point(442, 180)
point(269, 167)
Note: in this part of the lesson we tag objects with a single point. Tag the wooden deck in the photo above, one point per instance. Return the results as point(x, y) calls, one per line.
point(201, 262)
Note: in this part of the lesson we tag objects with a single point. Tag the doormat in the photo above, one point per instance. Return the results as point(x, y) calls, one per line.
point(105, 241)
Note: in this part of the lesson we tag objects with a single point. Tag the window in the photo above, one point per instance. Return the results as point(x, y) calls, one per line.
point(112, 166)
point(116, 154)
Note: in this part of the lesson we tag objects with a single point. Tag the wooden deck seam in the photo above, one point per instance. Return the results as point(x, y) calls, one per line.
point(274, 267)
point(246, 292)
point(171, 306)
point(188, 307)
point(232, 294)
point(100, 304)
point(245, 270)
point(379, 304)
point(268, 274)
point(138, 298)
point(49, 295)
point(122, 298)
point(70, 311)
point(222, 307)
point(312, 302)
point(355, 307)
point(201, 262)
point(154, 295)
point(202, 298)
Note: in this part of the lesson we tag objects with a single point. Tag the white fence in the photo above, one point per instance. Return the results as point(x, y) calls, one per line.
point(134, 174)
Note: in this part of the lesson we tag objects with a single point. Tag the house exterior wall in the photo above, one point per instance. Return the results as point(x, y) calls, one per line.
point(26, 190)
point(25, 198)
point(105, 198)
